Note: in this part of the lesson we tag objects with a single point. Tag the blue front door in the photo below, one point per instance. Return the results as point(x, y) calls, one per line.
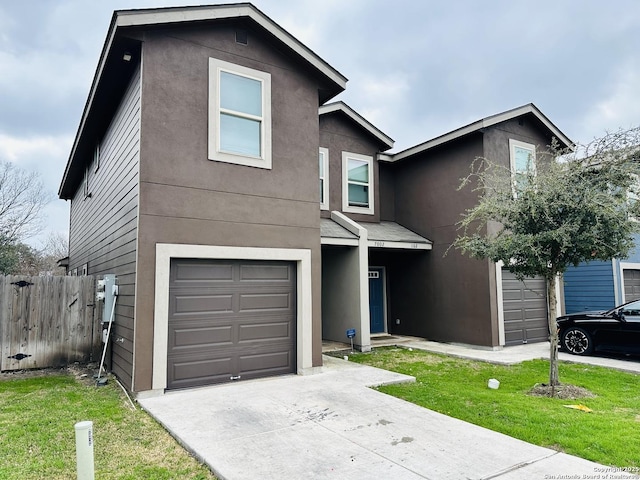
point(376, 299)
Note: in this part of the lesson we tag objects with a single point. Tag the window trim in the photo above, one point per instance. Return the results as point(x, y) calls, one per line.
point(513, 144)
point(217, 66)
point(324, 201)
point(345, 184)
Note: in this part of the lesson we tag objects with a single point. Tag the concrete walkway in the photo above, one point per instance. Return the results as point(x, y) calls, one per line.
point(331, 425)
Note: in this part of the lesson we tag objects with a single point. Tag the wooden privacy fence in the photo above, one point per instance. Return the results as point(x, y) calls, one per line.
point(48, 321)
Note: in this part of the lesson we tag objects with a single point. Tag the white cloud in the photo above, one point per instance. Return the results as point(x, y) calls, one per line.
point(381, 98)
point(620, 106)
point(26, 150)
point(46, 154)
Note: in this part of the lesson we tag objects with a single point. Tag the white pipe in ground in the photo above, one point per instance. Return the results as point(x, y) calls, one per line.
point(84, 450)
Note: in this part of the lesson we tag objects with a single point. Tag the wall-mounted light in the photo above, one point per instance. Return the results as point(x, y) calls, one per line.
point(126, 57)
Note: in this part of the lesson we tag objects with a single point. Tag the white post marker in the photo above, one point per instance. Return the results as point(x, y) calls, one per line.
point(84, 450)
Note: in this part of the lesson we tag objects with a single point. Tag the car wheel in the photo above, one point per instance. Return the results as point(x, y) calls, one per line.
point(577, 341)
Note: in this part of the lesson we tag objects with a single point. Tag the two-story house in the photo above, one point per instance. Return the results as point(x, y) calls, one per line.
point(417, 284)
point(193, 178)
point(247, 218)
point(459, 299)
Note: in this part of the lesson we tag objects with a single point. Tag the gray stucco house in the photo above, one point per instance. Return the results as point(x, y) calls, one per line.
point(247, 216)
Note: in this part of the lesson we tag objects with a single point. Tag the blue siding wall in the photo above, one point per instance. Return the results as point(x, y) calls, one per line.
point(589, 286)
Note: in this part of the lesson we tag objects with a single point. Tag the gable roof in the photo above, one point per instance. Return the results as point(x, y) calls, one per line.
point(363, 123)
point(117, 41)
point(173, 15)
point(529, 108)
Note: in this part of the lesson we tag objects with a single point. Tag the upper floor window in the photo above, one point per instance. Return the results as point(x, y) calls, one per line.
point(239, 114)
point(523, 162)
point(96, 157)
point(357, 183)
point(323, 158)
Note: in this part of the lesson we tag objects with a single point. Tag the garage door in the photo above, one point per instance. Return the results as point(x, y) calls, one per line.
point(631, 284)
point(525, 309)
point(230, 320)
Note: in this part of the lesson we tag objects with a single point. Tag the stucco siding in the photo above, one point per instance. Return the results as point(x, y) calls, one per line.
point(445, 295)
point(103, 226)
point(185, 198)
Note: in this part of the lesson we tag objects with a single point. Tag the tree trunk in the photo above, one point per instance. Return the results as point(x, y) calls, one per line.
point(554, 379)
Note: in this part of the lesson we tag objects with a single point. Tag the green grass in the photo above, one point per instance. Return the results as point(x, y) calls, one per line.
point(609, 435)
point(37, 439)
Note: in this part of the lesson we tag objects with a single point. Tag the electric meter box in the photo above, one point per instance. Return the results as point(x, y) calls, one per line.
point(110, 294)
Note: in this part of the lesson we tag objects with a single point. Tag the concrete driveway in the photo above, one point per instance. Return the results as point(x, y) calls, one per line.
point(330, 425)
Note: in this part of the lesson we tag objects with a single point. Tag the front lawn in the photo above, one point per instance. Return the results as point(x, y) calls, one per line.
point(610, 434)
point(37, 439)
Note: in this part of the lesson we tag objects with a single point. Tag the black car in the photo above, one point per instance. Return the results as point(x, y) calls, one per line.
point(616, 330)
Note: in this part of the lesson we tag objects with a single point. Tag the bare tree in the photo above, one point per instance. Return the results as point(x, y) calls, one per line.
point(54, 248)
point(22, 198)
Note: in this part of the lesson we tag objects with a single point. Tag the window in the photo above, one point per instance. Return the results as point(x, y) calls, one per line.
point(324, 178)
point(631, 312)
point(523, 162)
point(96, 157)
point(357, 183)
point(239, 114)
point(85, 182)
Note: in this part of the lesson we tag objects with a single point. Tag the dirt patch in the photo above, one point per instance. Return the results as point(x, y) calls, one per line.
point(567, 392)
point(83, 372)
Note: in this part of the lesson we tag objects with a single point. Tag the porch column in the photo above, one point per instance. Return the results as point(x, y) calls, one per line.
point(363, 333)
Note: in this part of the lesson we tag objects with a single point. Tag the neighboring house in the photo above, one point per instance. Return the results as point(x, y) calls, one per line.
point(601, 285)
point(247, 218)
point(446, 296)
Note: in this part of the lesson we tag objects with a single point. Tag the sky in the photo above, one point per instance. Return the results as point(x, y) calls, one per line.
point(416, 68)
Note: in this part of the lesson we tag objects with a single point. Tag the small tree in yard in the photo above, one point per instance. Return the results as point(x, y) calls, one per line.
point(565, 208)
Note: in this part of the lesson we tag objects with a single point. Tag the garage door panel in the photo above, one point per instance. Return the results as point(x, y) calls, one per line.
point(195, 372)
point(265, 332)
point(537, 334)
point(271, 273)
point(202, 304)
point(267, 363)
point(265, 302)
point(240, 324)
point(184, 337)
point(192, 271)
point(513, 337)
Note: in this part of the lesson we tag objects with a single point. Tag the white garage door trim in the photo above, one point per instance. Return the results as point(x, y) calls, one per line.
point(166, 251)
point(499, 301)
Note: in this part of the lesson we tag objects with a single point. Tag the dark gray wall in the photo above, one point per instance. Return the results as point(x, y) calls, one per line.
point(448, 297)
point(444, 298)
point(103, 227)
point(525, 129)
point(339, 134)
point(186, 198)
point(340, 292)
point(387, 192)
